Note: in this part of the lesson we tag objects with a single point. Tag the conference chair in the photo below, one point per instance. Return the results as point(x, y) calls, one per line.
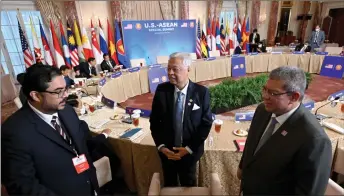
point(18, 102)
point(193, 56)
point(103, 170)
point(333, 50)
point(231, 51)
point(214, 189)
point(162, 59)
point(137, 62)
point(214, 53)
point(333, 188)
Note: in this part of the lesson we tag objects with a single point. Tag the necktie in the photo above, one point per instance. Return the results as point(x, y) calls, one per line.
point(316, 37)
point(267, 134)
point(109, 64)
point(178, 120)
point(60, 130)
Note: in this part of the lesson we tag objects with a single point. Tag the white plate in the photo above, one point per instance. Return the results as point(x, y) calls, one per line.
point(245, 133)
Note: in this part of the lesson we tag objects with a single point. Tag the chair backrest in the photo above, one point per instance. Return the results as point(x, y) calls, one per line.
point(103, 170)
point(268, 49)
point(155, 186)
point(98, 68)
point(333, 188)
point(214, 53)
point(136, 62)
point(333, 50)
point(231, 51)
point(162, 59)
point(193, 56)
point(18, 102)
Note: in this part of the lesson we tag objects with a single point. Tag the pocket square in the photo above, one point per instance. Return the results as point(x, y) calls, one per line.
point(195, 107)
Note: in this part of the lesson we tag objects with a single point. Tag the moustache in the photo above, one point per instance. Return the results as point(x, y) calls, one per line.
point(64, 100)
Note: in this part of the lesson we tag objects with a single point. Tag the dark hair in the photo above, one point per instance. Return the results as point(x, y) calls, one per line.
point(64, 68)
point(105, 54)
point(255, 30)
point(20, 78)
point(91, 59)
point(72, 100)
point(76, 68)
point(37, 78)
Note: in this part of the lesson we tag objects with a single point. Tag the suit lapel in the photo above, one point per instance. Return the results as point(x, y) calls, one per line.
point(187, 107)
point(170, 100)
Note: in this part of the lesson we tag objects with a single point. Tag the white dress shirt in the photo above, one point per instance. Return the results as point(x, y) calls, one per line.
point(253, 38)
point(109, 63)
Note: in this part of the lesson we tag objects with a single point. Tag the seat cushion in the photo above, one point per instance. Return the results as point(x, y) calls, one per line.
point(185, 191)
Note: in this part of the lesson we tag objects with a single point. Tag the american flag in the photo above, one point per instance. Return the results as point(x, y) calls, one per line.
point(222, 38)
point(72, 47)
point(198, 41)
point(28, 58)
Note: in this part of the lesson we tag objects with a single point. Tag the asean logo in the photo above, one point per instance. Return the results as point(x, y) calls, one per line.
point(164, 79)
point(338, 67)
point(138, 26)
point(192, 24)
point(241, 66)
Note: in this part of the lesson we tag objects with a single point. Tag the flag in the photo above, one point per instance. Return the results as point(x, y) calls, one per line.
point(209, 32)
point(58, 52)
point(198, 40)
point(28, 59)
point(95, 45)
point(48, 57)
point(244, 34)
point(79, 43)
point(218, 40)
point(120, 48)
point(102, 42)
point(72, 47)
point(36, 47)
point(235, 29)
point(239, 35)
point(65, 47)
point(248, 33)
point(204, 47)
point(228, 30)
point(112, 48)
point(86, 44)
point(223, 38)
point(213, 35)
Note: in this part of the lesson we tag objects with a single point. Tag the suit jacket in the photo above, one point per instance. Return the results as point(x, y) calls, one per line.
point(105, 66)
point(69, 81)
point(256, 40)
point(300, 46)
point(320, 39)
point(295, 160)
point(36, 159)
point(237, 50)
point(85, 71)
point(196, 123)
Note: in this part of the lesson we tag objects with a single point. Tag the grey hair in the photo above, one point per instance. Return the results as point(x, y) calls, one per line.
point(294, 79)
point(184, 56)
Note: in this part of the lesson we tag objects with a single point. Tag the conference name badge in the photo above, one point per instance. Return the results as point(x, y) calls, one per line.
point(80, 163)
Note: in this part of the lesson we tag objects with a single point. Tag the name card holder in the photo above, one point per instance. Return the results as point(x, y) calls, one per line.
point(210, 59)
point(134, 69)
point(155, 66)
point(253, 53)
point(102, 82)
point(336, 94)
point(144, 113)
point(109, 103)
point(298, 52)
point(244, 116)
point(235, 55)
point(276, 52)
point(309, 105)
point(321, 53)
point(116, 75)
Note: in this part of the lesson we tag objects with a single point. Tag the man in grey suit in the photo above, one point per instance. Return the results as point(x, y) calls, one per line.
point(287, 151)
point(317, 38)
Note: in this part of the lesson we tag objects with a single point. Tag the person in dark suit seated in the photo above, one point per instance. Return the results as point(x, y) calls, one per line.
point(40, 154)
point(107, 64)
point(65, 72)
point(303, 47)
point(77, 71)
point(180, 122)
point(287, 152)
point(254, 39)
point(88, 69)
point(238, 49)
point(20, 79)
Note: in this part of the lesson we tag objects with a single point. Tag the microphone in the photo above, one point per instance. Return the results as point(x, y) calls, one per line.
point(320, 117)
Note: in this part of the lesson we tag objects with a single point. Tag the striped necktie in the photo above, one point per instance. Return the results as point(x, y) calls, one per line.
point(60, 130)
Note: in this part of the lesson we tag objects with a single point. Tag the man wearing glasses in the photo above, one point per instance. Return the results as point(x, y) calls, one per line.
point(43, 144)
point(287, 151)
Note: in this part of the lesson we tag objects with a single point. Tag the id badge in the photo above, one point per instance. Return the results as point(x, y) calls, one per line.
point(80, 163)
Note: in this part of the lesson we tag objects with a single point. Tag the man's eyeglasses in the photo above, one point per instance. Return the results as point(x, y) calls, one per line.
point(59, 93)
point(272, 94)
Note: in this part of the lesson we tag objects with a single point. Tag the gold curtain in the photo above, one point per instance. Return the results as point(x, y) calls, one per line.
point(148, 10)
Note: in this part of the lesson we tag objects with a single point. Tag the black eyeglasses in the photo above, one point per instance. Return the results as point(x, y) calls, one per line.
point(268, 92)
point(59, 93)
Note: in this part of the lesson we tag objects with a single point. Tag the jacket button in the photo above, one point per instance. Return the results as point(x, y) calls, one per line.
point(88, 182)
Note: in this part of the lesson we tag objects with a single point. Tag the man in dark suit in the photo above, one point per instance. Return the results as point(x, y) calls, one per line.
point(65, 72)
point(317, 38)
point(287, 152)
point(46, 153)
point(108, 63)
point(238, 49)
point(180, 122)
point(303, 47)
point(254, 40)
point(88, 69)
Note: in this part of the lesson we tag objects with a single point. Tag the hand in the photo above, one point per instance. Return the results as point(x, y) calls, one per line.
point(239, 173)
point(181, 151)
point(107, 131)
point(169, 154)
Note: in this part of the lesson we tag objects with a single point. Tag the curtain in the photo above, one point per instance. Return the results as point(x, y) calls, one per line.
point(184, 10)
point(304, 22)
point(214, 8)
point(71, 12)
point(272, 23)
point(255, 14)
point(50, 11)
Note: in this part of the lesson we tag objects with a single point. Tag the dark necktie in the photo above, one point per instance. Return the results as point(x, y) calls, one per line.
point(178, 120)
point(60, 130)
point(267, 134)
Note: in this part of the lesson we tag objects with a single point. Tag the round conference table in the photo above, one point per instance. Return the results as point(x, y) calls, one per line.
point(139, 156)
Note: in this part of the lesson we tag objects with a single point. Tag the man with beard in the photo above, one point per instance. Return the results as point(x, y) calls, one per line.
point(42, 144)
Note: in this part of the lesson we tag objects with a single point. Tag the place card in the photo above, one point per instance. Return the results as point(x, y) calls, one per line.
point(309, 105)
point(235, 55)
point(155, 66)
point(336, 94)
point(253, 53)
point(134, 69)
point(276, 52)
point(244, 116)
point(116, 75)
point(210, 59)
point(144, 113)
point(102, 82)
point(298, 52)
point(321, 53)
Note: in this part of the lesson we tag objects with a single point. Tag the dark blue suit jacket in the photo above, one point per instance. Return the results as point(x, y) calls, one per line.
point(237, 50)
point(69, 81)
point(196, 123)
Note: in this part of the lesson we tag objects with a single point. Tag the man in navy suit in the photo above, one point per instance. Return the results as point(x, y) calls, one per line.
point(180, 122)
point(317, 38)
point(88, 69)
point(65, 72)
point(43, 144)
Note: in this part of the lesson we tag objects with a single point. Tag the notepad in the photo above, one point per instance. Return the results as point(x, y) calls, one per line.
point(129, 134)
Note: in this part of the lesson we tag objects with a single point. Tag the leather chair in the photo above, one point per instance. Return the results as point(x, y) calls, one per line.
point(103, 170)
point(333, 188)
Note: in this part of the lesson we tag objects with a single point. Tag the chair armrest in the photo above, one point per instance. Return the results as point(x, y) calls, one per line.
point(215, 185)
point(154, 188)
point(103, 170)
point(333, 188)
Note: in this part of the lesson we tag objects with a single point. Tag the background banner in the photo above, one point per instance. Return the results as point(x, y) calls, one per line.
point(332, 67)
point(147, 39)
point(156, 76)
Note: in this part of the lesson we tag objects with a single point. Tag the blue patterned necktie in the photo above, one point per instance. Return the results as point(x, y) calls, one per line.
point(178, 120)
point(267, 134)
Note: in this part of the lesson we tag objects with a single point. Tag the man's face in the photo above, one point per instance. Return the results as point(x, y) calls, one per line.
point(93, 63)
point(177, 72)
point(106, 58)
point(66, 72)
point(241, 44)
point(317, 28)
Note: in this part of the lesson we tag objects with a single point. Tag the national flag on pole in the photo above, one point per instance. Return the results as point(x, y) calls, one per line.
point(58, 52)
point(102, 42)
point(244, 35)
point(79, 43)
point(198, 40)
point(213, 35)
point(48, 57)
point(218, 39)
point(235, 38)
point(72, 47)
point(248, 34)
point(204, 47)
point(36, 47)
point(122, 58)
point(227, 29)
point(95, 45)
point(28, 59)
point(209, 32)
point(65, 47)
point(112, 47)
point(222, 38)
point(86, 44)
point(239, 34)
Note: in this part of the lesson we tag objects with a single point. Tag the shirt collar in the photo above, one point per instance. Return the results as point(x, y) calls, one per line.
point(184, 90)
point(284, 117)
point(45, 117)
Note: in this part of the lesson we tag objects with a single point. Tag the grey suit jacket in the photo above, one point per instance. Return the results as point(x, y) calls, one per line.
point(320, 39)
point(295, 160)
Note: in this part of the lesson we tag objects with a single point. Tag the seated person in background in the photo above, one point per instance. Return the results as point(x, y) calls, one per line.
point(20, 79)
point(261, 48)
point(107, 64)
point(342, 53)
point(294, 44)
point(303, 47)
point(65, 72)
point(88, 69)
point(238, 49)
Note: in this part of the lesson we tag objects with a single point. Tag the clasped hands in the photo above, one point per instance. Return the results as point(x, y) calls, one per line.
point(172, 155)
